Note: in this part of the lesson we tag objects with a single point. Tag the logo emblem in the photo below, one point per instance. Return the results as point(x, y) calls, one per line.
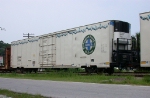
point(89, 44)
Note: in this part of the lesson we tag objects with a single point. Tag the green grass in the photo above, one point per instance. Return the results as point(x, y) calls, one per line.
point(18, 95)
point(70, 76)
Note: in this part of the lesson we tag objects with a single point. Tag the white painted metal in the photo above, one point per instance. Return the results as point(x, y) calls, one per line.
point(144, 38)
point(64, 49)
point(25, 53)
point(14, 49)
point(69, 49)
point(47, 50)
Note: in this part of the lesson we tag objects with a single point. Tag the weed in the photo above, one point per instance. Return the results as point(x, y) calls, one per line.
point(147, 79)
point(18, 95)
point(71, 75)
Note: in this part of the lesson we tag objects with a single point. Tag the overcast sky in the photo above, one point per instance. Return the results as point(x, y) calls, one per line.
point(46, 16)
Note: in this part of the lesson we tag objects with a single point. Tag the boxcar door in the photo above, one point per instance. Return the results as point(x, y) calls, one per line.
point(47, 47)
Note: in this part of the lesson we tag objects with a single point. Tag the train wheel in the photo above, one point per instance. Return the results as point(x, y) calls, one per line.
point(27, 70)
point(110, 71)
point(35, 70)
point(15, 70)
point(30, 70)
point(88, 70)
point(22, 70)
point(100, 70)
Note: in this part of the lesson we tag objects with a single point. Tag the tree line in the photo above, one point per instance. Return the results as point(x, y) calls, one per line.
point(136, 41)
point(3, 45)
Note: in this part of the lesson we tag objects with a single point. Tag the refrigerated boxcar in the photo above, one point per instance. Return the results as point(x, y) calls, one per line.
point(101, 45)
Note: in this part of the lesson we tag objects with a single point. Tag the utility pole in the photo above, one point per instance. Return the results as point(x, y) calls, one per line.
point(28, 35)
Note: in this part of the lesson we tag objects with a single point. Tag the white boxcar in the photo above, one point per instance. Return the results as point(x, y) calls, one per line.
point(89, 45)
point(145, 36)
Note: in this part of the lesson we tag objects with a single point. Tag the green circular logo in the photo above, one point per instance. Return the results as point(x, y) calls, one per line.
point(89, 44)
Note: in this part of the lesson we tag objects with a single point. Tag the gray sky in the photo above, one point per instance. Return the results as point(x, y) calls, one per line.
point(46, 16)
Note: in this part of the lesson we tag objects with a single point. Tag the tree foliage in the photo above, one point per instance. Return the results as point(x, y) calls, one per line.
point(3, 45)
point(136, 41)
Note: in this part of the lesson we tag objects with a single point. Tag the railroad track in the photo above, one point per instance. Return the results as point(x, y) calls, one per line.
point(136, 74)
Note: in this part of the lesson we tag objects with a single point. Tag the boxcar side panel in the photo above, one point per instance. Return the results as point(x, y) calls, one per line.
point(71, 45)
point(101, 54)
point(67, 50)
point(14, 54)
point(24, 52)
point(58, 51)
point(145, 36)
point(76, 46)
